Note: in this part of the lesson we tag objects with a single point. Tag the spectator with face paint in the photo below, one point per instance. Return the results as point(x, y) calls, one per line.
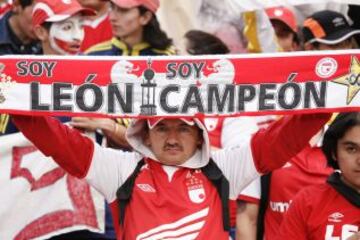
point(59, 26)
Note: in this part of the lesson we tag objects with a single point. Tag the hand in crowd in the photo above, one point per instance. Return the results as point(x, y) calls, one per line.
point(356, 236)
point(92, 124)
point(113, 131)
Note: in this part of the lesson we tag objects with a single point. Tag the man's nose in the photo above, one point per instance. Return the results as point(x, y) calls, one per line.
point(172, 137)
point(78, 34)
point(358, 159)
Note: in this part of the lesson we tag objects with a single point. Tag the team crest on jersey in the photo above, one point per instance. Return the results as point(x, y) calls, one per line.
point(196, 189)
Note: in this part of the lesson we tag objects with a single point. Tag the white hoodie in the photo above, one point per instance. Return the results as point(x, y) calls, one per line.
point(110, 168)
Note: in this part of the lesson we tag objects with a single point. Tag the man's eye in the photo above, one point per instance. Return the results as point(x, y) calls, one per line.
point(351, 149)
point(161, 129)
point(66, 27)
point(184, 129)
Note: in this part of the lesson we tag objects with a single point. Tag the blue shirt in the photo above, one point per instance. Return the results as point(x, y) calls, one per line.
point(115, 47)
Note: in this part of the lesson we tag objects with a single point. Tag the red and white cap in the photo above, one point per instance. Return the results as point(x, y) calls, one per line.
point(284, 15)
point(152, 122)
point(57, 10)
point(152, 5)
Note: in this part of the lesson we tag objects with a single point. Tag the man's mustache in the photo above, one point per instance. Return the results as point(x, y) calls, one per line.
point(169, 146)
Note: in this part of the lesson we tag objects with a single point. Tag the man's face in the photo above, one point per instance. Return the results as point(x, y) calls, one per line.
point(348, 157)
point(347, 44)
point(173, 141)
point(285, 36)
point(25, 18)
point(66, 36)
point(126, 22)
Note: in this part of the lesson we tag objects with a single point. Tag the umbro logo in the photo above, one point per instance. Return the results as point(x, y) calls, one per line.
point(335, 217)
point(338, 22)
point(146, 187)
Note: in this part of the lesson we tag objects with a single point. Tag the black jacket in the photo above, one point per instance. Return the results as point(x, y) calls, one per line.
point(10, 44)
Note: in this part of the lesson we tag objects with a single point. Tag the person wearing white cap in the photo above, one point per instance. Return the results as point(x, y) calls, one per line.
point(58, 25)
point(171, 186)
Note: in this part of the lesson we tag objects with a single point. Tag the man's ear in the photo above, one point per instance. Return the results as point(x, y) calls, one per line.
point(146, 17)
point(200, 143)
point(200, 140)
point(146, 139)
point(41, 33)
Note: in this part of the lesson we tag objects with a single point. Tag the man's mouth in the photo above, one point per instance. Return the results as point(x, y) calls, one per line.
point(172, 149)
point(69, 47)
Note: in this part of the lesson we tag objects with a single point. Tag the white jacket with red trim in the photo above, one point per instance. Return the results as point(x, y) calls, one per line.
point(170, 202)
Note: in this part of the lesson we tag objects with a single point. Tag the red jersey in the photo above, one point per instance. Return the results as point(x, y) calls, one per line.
point(320, 212)
point(184, 206)
point(228, 132)
point(309, 167)
point(96, 31)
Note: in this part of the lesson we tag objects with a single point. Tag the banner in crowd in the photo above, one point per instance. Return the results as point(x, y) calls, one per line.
point(250, 5)
point(38, 199)
point(181, 86)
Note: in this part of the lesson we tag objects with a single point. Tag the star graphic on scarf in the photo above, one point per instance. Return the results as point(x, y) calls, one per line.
point(351, 80)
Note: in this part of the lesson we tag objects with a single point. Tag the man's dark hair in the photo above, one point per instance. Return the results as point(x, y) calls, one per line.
point(342, 123)
point(286, 27)
point(204, 43)
point(153, 34)
point(25, 3)
point(47, 25)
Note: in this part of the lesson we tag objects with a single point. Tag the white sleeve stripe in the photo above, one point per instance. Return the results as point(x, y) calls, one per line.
point(185, 220)
point(196, 227)
point(190, 236)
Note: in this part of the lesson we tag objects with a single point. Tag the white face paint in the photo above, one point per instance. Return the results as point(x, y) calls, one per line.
point(66, 36)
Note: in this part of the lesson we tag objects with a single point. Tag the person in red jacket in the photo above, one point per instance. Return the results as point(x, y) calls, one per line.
point(97, 28)
point(331, 210)
point(171, 195)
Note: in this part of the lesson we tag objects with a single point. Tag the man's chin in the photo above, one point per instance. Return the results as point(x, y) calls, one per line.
point(171, 161)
